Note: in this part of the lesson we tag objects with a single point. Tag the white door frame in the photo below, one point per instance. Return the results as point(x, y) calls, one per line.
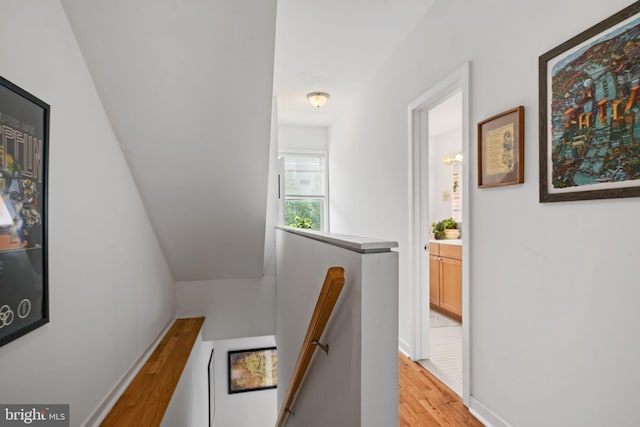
point(419, 229)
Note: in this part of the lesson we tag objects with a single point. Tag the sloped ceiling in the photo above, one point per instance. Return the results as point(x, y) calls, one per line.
point(187, 86)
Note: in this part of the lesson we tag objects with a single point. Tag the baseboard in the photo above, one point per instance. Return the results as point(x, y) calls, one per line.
point(404, 348)
point(485, 415)
point(114, 394)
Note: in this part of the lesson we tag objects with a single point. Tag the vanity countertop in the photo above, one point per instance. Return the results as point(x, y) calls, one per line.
point(457, 242)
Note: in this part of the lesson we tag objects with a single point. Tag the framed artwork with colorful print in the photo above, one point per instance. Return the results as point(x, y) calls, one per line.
point(253, 369)
point(590, 112)
point(24, 140)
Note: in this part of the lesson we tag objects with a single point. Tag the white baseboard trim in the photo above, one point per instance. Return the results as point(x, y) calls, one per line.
point(486, 415)
point(404, 348)
point(114, 394)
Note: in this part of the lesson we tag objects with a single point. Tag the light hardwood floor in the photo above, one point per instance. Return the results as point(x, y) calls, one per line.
point(425, 401)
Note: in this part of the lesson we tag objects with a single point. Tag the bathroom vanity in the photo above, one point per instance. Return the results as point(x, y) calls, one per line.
point(445, 277)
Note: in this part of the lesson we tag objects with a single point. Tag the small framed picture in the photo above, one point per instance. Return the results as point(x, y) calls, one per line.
point(254, 369)
point(501, 149)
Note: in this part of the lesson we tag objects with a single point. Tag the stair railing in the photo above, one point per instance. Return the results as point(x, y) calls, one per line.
point(331, 288)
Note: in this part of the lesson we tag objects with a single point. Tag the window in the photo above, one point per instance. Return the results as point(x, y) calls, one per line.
point(304, 182)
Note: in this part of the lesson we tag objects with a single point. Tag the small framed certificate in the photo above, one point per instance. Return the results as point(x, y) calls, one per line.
point(501, 149)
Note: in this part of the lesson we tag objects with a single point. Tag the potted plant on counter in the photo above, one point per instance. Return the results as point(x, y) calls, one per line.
point(438, 230)
point(451, 230)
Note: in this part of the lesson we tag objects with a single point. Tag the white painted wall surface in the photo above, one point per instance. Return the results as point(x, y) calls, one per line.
point(233, 308)
point(236, 308)
point(250, 409)
point(356, 384)
point(187, 86)
point(189, 406)
point(109, 284)
point(302, 138)
point(541, 352)
point(272, 218)
point(440, 174)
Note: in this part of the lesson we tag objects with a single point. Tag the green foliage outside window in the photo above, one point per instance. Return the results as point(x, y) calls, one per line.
point(303, 208)
point(302, 223)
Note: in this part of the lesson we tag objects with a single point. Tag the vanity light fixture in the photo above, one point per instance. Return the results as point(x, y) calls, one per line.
point(449, 160)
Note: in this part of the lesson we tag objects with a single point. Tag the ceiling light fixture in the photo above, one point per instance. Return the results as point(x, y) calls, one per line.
point(318, 99)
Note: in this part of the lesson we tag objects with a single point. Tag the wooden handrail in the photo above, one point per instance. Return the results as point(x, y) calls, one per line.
point(331, 288)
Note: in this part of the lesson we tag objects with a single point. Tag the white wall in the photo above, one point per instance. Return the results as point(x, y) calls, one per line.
point(243, 307)
point(189, 405)
point(541, 352)
point(233, 308)
point(440, 174)
point(272, 218)
point(250, 409)
point(302, 138)
point(110, 287)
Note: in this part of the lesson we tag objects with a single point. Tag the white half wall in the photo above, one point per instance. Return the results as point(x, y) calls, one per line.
point(356, 383)
point(109, 285)
point(250, 409)
point(541, 351)
point(234, 308)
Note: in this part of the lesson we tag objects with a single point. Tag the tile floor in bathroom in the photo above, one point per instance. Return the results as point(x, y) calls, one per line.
point(446, 353)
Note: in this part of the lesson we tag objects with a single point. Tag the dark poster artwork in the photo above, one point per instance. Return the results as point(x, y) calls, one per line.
point(24, 128)
point(593, 114)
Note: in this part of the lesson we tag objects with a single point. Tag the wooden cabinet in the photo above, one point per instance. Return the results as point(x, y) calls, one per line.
point(445, 278)
point(434, 279)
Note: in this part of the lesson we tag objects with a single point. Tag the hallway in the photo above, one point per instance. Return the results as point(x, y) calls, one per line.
point(425, 401)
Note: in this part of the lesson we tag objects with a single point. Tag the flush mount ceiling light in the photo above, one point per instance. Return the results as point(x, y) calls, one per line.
point(318, 99)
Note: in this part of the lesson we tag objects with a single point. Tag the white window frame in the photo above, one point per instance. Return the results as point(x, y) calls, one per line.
point(324, 220)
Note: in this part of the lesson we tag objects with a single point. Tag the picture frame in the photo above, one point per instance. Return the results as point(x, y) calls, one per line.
point(253, 369)
point(501, 149)
point(589, 135)
point(24, 147)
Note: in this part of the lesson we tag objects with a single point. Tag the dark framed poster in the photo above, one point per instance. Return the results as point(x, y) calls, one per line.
point(24, 138)
point(590, 112)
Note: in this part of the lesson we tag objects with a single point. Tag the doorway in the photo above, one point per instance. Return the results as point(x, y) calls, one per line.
point(428, 205)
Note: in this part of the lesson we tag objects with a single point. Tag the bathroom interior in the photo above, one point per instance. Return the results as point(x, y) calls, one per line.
point(445, 243)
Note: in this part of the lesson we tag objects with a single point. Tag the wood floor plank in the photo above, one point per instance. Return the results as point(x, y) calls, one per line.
point(146, 399)
point(425, 402)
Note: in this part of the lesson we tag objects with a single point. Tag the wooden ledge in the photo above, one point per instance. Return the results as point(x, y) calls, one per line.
point(146, 399)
